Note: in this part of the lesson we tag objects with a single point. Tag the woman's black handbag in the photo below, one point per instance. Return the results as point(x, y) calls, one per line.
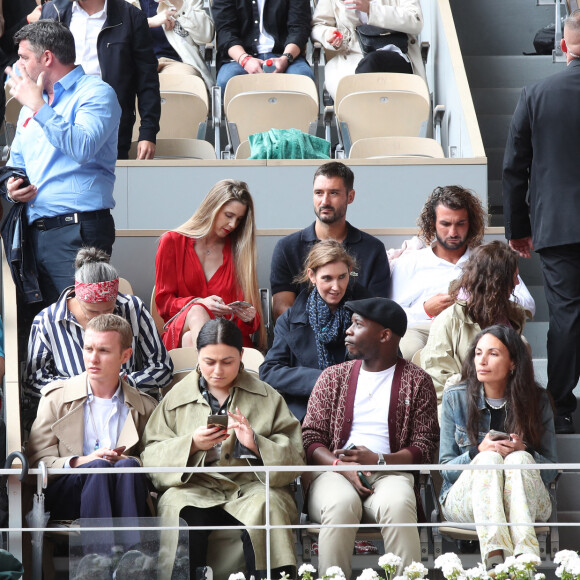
point(372, 38)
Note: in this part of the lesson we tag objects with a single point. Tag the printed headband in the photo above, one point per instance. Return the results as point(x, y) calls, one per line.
point(95, 292)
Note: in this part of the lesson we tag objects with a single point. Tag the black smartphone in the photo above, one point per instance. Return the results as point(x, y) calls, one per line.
point(498, 435)
point(364, 480)
point(20, 174)
point(220, 421)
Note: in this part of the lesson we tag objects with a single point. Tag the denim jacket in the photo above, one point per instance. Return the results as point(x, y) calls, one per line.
point(454, 445)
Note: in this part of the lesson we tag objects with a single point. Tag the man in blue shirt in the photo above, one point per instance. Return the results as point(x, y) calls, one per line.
point(66, 141)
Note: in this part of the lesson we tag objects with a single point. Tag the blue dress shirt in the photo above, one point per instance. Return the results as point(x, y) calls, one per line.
point(69, 148)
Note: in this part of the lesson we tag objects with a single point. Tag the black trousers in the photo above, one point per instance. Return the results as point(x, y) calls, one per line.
point(561, 270)
point(383, 61)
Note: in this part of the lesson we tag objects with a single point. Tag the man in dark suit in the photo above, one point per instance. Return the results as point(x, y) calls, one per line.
point(541, 193)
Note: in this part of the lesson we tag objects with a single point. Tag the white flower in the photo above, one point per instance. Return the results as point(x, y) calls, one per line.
point(540, 576)
point(306, 569)
point(559, 571)
point(477, 573)
point(565, 556)
point(415, 570)
point(237, 576)
point(368, 574)
point(529, 560)
point(284, 576)
point(333, 572)
point(510, 562)
point(448, 559)
point(390, 560)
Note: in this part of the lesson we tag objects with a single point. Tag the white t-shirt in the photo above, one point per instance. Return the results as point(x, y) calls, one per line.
point(370, 421)
point(265, 41)
point(85, 30)
point(419, 274)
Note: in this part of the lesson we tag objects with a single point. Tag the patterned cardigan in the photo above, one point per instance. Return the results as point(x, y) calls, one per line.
point(413, 421)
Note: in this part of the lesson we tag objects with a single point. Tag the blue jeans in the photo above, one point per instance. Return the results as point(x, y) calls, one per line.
point(232, 69)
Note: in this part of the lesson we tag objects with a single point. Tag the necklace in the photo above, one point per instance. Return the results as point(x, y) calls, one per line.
point(496, 407)
point(98, 438)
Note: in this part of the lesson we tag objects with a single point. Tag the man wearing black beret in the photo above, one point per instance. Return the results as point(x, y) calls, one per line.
point(378, 409)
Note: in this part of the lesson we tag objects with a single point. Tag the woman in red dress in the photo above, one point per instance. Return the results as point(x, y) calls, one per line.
point(206, 268)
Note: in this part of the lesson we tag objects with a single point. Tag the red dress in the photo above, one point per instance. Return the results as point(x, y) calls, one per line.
point(179, 278)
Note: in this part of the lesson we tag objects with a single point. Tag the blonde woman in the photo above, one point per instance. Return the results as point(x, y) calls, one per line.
point(206, 268)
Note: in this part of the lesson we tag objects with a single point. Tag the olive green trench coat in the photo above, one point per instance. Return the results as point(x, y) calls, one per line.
point(168, 438)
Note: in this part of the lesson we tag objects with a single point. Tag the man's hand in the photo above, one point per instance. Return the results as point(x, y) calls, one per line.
point(165, 19)
point(437, 304)
point(523, 246)
point(361, 5)
point(25, 90)
point(254, 66)
point(17, 193)
point(145, 150)
point(361, 455)
point(281, 64)
point(105, 453)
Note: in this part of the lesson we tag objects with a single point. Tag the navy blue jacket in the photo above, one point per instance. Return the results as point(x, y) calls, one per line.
point(128, 64)
point(291, 365)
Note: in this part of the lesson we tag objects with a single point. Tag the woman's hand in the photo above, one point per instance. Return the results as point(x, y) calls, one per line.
point(217, 306)
point(334, 38)
point(254, 66)
point(244, 431)
point(503, 447)
point(204, 438)
point(361, 5)
point(245, 314)
point(165, 19)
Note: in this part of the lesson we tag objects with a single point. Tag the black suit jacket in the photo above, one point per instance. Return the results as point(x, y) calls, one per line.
point(542, 159)
point(128, 64)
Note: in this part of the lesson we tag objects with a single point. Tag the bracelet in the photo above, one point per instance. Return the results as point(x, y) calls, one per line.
point(241, 56)
point(426, 311)
point(335, 462)
point(244, 62)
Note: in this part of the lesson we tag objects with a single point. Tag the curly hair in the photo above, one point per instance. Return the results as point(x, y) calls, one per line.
point(453, 197)
point(488, 281)
point(523, 394)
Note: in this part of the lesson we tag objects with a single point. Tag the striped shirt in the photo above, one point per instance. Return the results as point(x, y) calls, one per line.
point(55, 348)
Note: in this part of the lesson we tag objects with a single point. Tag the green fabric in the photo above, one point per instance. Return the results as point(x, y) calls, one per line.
point(10, 567)
point(288, 144)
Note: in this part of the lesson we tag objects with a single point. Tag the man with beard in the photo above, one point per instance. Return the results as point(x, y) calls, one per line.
point(333, 192)
point(376, 410)
point(451, 223)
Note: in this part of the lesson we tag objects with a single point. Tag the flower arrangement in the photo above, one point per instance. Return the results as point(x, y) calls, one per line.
point(522, 567)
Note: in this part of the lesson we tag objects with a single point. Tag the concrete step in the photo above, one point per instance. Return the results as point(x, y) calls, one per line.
point(535, 333)
point(494, 162)
point(497, 26)
point(508, 71)
point(494, 130)
point(494, 198)
point(495, 100)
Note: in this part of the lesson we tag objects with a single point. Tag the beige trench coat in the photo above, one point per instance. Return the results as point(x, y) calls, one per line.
point(194, 28)
point(401, 15)
point(449, 340)
point(57, 432)
point(168, 438)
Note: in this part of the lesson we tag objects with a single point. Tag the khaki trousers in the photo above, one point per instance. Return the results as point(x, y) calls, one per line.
point(415, 339)
point(333, 500)
point(174, 67)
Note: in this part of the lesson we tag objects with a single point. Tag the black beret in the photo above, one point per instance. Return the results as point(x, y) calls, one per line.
point(382, 310)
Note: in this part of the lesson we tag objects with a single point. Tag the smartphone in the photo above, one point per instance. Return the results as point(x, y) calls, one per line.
point(20, 174)
point(238, 304)
point(220, 421)
point(364, 480)
point(119, 450)
point(351, 446)
point(498, 435)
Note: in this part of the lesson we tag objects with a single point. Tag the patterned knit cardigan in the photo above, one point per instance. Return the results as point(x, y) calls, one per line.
point(413, 421)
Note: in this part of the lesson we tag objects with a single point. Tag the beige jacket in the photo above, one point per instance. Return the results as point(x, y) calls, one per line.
point(450, 337)
point(57, 432)
point(194, 28)
point(401, 15)
point(168, 438)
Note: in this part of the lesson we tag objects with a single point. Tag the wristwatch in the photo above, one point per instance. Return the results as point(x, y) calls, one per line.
point(289, 57)
point(381, 460)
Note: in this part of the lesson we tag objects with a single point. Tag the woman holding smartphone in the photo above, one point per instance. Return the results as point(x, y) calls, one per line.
point(261, 431)
point(498, 415)
point(206, 268)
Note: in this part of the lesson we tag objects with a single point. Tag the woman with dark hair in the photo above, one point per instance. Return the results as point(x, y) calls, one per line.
point(482, 298)
point(188, 431)
point(309, 336)
point(498, 415)
point(207, 268)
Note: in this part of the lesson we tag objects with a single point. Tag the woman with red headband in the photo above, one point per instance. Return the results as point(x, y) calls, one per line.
point(56, 339)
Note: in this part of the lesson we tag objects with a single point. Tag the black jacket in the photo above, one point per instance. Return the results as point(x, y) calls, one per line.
point(237, 22)
point(541, 180)
point(128, 64)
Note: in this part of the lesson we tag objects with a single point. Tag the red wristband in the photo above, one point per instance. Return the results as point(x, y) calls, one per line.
point(426, 310)
point(335, 462)
point(243, 63)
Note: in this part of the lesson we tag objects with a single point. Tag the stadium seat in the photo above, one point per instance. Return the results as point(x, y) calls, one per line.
point(178, 149)
point(257, 103)
point(382, 147)
point(381, 105)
